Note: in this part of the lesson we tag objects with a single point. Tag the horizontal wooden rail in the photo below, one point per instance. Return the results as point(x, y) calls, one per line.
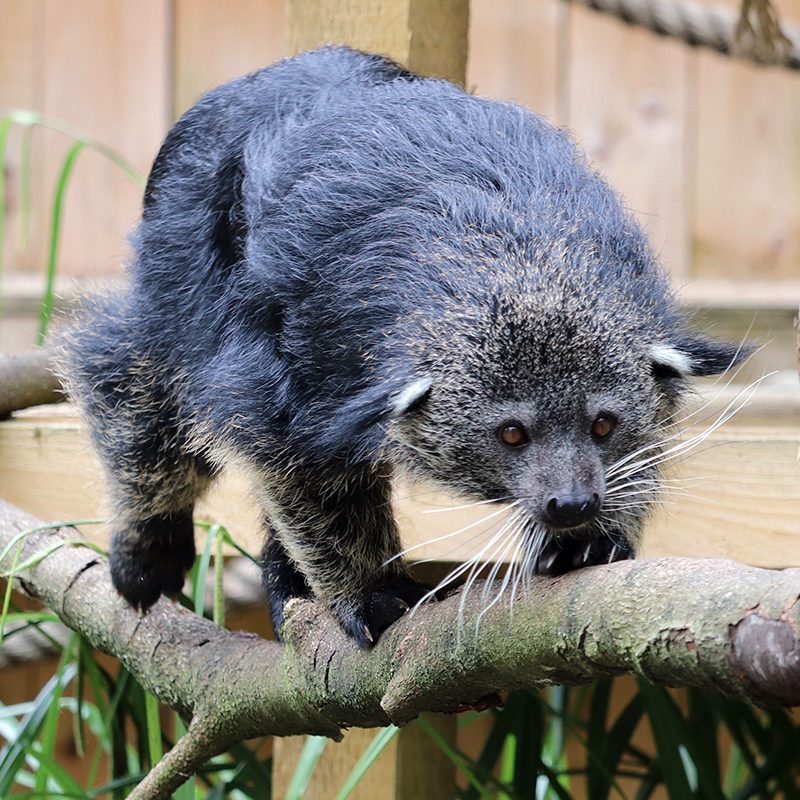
point(745, 503)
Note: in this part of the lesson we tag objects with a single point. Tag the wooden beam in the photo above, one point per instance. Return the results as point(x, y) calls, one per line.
point(745, 505)
point(427, 36)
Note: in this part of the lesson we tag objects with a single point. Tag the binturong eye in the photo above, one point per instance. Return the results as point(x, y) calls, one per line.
point(513, 434)
point(603, 426)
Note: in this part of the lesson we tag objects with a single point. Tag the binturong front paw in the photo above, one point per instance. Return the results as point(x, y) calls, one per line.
point(365, 620)
point(145, 567)
point(564, 553)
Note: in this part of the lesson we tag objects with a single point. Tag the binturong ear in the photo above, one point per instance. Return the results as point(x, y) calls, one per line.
point(694, 354)
point(356, 429)
point(411, 397)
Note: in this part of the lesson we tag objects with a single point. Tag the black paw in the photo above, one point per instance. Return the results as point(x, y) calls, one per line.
point(383, 605)
point(152, 559)
point(562, 554)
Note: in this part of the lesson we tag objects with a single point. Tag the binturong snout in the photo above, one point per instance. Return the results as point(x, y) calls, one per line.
point(572, 506)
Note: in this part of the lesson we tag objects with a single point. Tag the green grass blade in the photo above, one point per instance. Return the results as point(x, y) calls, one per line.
point(66, 784)
point(703, 722)
point(201, 576)
point(12, 756)
point(553, 746)
point(305, 766)
point(113, 787)
point(154, 749)
point(16, 710)
point(668, 741)
point(375, 748)
point(98, 686)
point(597, 781)
point(250, 769)
point(493, 746)
point(114, 724)
point(17, 538)
point(219, 574)
point(47, 741)
point(55, 237)
point(25, 117)
point(42, 554)
point(618, 740)
point(484, 783)
point(9, 588)
point(529, 736)
point(30, 617)
point(25, 186)
point(554, 783)
point(507, 763)
point(230, 541)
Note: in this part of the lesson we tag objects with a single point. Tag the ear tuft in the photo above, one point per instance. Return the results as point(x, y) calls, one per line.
point(669, 362)
point(695, 354)
point(411, 397)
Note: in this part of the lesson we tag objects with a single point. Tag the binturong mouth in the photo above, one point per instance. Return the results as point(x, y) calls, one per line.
point(562, 551)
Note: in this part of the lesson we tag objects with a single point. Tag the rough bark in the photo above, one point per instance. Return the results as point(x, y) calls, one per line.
point(702, 622)
point(28, 380)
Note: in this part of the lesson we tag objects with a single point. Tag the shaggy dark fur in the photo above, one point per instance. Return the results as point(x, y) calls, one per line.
point(343, 270)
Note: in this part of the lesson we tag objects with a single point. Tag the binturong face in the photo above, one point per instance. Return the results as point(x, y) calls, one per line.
point(563, 406)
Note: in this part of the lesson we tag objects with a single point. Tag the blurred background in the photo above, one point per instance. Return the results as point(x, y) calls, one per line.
point(705, 150)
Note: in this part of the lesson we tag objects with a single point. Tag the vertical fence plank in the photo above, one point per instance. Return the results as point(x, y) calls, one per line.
point(514, 49)
point(20, 87)
point(105, 70)
point(215, 42)
point(18, 50)
point(747, 182)
point(428, 36)
point(628, 109)
point(411, 766)
point(333, 767)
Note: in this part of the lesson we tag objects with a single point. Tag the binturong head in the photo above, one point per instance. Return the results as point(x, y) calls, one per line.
point(555, 392)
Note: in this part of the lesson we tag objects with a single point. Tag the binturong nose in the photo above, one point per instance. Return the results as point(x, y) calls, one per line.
point(571, 508)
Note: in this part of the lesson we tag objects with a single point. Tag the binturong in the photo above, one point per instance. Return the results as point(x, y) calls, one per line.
point(345, 272)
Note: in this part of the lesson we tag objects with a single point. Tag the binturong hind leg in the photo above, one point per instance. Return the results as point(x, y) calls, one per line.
point(153, 478)
point(152, 546)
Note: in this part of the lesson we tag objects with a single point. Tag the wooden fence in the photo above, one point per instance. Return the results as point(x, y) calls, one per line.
point(706, 150)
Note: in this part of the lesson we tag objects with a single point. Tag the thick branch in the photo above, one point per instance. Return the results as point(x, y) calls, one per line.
point(28, 380)
point(711, 623)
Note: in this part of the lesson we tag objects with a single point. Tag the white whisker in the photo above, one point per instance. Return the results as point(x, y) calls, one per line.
point(727, 413)
point(471, 525)
point(733, 407)
point(533, 549)
point(460, 569)
point(479, 564)
point(468, 505)
point(506, 578)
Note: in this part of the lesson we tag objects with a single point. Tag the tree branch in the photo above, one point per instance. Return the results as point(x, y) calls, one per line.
point(702, 622)
point(28, 380)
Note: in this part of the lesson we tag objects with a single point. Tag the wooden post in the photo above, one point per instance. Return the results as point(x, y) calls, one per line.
point(411, 767)
point(427, 36)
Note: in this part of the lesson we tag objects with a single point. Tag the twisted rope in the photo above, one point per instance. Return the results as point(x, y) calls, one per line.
point(754, 34)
